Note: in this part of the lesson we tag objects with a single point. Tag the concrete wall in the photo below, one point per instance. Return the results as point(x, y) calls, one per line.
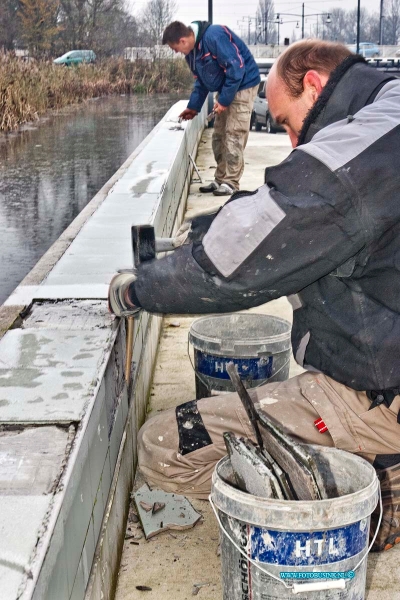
point(68, 419)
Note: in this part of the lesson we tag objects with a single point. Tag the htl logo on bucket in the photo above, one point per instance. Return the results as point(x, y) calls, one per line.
point(247, 368)
point(307, 549)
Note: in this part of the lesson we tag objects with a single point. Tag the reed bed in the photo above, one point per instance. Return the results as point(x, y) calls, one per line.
point(28, 90)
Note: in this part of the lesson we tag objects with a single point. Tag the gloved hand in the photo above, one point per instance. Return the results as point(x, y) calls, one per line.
point(118, 294)
point(188, 114)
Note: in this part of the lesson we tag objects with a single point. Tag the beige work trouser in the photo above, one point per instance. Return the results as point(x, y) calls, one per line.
point(295, 404)
point(230, 135)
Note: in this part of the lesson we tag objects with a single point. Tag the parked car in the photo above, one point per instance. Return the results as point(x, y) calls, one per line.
point(260, 116)
point(367, 49)
point(76, 57)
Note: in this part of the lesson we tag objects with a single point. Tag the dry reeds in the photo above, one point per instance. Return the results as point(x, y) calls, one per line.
point(30, 89)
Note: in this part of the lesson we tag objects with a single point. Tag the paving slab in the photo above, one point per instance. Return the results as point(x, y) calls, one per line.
point(45, 395)
point(48, 375)
point(31, 463)
point(25, 294)
point(69, 315)
point(46, 348)
point(31, 460)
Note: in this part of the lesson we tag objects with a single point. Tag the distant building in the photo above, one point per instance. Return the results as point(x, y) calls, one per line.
point(148, 53)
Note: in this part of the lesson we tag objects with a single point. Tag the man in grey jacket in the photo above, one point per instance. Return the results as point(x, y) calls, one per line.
point(323, 230)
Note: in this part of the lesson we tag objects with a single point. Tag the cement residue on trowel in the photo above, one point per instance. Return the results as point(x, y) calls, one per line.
point(251, 471)
point(159, 511)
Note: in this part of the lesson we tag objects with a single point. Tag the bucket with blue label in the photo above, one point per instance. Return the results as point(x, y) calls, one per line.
point(259, 346)
point(275, 549)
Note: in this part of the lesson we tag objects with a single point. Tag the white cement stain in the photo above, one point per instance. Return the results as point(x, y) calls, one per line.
point(265, 401)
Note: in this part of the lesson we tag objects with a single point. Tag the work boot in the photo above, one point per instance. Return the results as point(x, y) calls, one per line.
point(207, 189)
point(389, 531)
point(224, 190)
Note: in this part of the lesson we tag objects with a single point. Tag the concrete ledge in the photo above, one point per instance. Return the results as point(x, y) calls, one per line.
point(64, 401)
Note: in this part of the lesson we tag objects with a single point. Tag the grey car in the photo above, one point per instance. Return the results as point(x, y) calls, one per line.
point(260, 116)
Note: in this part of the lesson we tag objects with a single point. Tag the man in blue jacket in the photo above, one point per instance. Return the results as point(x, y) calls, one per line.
point(222, 63)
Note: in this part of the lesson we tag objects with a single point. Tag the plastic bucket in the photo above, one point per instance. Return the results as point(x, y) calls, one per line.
point(269, 547)
point(259, 345)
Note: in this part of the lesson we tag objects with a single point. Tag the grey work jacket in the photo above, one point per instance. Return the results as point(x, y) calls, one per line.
point(324, 230)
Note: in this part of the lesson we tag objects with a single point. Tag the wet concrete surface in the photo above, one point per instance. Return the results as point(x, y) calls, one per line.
point(52, 169)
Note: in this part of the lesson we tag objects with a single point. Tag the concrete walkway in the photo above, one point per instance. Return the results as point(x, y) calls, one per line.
point(171, 563)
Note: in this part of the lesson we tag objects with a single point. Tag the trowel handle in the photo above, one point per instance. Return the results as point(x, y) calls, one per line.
point(165, 244)
point(246, 401)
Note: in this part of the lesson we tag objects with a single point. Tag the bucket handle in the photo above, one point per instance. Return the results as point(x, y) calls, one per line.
point(205, 382)
point(297, 588)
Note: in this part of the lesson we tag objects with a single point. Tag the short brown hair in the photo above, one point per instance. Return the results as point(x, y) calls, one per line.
point(308, 55)
point(175, 31)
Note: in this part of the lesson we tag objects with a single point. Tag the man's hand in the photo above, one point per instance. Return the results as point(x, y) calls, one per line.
point(118, 294)
point(188, 114)
point(219, 108)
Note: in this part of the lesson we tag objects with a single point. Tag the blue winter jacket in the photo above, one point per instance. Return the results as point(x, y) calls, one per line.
point(222, 63)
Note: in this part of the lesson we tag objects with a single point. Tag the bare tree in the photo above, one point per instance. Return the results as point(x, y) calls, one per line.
point(8, 23)
point(350, 29)
point(392, 22)
point(338, 25)
point(156, 15)
point(105, 26)
point(266, 21)
point(371, 27)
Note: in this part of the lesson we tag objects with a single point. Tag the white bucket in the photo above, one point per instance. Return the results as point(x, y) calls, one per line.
point(259, 346)
point(272, 549)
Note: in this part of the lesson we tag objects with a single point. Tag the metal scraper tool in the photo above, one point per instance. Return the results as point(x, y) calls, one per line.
point(288, 492)
point(294, 459)
point(251, 472)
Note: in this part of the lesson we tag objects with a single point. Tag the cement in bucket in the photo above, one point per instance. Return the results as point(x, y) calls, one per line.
point(282, 536)
point(259, 345)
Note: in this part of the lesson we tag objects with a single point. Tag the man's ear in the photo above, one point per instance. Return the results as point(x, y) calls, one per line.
point(313, 83)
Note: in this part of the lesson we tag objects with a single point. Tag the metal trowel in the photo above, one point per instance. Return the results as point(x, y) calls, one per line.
point(295, 460)
point(250, 469)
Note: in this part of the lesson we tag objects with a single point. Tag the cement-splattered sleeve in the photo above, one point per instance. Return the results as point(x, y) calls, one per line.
point(260, 246)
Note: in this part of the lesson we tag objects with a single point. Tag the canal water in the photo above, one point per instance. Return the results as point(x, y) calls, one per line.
point(50, 171)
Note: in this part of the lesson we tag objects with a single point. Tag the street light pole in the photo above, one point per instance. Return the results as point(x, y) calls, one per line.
point(381, 24)
point(303, 15)
point(358, 25)
point(210, 99)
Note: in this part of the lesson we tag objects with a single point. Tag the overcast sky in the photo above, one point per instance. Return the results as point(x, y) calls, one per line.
point(229, 12)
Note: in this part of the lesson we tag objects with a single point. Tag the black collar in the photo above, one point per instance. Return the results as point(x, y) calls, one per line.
point(351, 86)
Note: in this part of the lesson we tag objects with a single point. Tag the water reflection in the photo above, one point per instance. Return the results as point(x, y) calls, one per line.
point(49, 173)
